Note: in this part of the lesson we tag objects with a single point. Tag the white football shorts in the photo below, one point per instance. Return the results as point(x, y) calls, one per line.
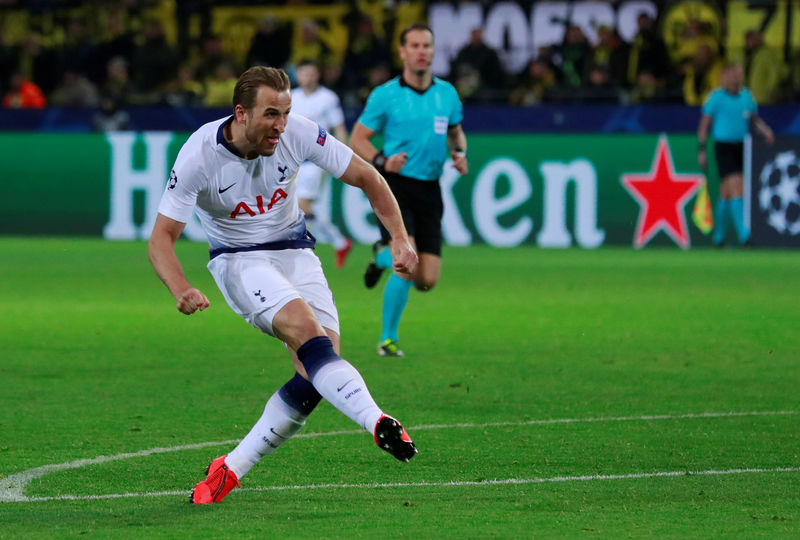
point(257, 284)
point(309, 180)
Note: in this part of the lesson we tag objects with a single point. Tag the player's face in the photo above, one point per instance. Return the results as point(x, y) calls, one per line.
point(267, 119)
point(307, 77)
point(417, 52)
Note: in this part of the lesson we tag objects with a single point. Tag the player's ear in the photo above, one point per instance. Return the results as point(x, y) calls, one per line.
point(239, 113)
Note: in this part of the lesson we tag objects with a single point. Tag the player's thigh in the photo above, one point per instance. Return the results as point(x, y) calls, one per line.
point(309, 179)
point(253, 285)
point(303, 269)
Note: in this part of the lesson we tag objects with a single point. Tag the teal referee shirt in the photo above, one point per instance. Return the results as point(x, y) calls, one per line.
point(414, 122)
point(731, 114)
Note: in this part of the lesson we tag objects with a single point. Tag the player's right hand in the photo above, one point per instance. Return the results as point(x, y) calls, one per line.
point(395, 162)
point(192, 300)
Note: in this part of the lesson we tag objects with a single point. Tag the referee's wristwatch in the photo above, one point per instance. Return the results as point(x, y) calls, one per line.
point(379, 161)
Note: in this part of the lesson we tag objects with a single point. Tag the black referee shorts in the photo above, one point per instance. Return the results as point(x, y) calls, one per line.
point(422, 208)
point(730, 158)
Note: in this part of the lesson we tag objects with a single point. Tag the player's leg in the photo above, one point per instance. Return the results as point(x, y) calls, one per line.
point(337, 380)
point(311, 328)
point(255, 288)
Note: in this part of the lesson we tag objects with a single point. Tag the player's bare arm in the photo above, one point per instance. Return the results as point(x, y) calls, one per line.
point(457, 142)
point(361, 175)
point(161, 251)
point(360, 142)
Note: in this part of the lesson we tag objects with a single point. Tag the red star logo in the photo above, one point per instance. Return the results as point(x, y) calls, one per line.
point(662, 195)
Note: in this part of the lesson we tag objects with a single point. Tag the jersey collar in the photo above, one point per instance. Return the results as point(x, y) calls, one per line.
point(221, 138)
point(406, 85)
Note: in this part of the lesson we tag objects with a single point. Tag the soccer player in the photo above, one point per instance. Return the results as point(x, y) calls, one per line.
point(238, 173)
point(420, 118)
point(321, 105)
point(728, 113)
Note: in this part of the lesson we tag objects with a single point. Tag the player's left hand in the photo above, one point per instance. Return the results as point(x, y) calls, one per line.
point(769, 137)
point(404, 257)
point(459, 161)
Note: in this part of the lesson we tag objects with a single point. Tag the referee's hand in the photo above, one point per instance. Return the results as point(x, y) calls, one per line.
point(459, 161)
point(395, 162)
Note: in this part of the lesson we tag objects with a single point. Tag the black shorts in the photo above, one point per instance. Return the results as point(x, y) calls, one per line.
point(422, 208)
point(730, 158)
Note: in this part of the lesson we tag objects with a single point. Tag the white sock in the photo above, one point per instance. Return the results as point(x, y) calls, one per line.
point(276, 426)
point(342, 385)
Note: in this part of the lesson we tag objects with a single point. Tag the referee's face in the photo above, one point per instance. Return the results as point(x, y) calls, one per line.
point(417, 51)
point(266, 121)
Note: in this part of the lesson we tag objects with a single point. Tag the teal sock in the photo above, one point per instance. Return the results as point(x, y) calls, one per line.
point(384, 258)
point(395, 296)
point(737, 216)
point(720, 221)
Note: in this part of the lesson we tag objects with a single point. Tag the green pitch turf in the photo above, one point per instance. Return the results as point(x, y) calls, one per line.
point(551, 393)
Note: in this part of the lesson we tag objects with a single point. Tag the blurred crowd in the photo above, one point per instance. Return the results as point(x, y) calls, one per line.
point(131, 62)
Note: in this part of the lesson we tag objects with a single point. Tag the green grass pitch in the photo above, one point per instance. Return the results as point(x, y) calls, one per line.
point(551, 393)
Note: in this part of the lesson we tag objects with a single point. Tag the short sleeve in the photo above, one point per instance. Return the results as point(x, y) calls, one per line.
point(374, 115)
point(184, 184)
point(751, 103)
point(320, 147)
point(711, 104)
point(457, 109)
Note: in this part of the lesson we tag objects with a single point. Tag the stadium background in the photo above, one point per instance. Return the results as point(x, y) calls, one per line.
point(507, 199)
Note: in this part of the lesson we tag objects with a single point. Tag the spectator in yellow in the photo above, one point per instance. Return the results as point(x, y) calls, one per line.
point(702, 75)
point(309, 45)
point(219, 88)
point(764, 69)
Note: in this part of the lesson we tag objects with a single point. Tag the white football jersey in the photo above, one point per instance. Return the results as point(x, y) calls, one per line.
point(321, 106)
point(243, 202)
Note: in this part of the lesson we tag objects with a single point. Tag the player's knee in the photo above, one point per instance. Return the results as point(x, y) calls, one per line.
point(425, 285)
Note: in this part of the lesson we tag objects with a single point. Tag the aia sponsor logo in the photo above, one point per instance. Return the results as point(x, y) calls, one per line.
point(243, 208)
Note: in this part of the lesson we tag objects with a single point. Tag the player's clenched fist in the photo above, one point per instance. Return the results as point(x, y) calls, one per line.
point(404, 257)
point(192, 300)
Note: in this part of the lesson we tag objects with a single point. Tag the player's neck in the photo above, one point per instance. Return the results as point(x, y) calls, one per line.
point(234, 135)
point(308, 90)
point(418, 80)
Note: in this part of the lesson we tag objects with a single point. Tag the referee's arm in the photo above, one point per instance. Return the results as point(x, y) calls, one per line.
point(457, 142)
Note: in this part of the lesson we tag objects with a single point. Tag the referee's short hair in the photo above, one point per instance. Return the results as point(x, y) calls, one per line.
point(244, 93)
point(415, 26)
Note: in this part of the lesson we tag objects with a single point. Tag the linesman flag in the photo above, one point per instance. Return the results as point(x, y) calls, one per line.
point(701, 213)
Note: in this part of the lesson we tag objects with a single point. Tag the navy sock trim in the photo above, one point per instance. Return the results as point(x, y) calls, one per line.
point(315, 353)
point(299, 394)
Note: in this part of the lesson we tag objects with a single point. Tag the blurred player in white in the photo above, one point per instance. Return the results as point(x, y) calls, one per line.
point(321, 105)
point(238, 174)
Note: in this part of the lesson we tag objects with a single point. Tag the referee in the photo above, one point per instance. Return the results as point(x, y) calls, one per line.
point(728, 113)
point(420, 117)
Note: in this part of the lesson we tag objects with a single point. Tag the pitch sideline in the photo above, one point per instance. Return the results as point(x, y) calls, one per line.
point(12, 487)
